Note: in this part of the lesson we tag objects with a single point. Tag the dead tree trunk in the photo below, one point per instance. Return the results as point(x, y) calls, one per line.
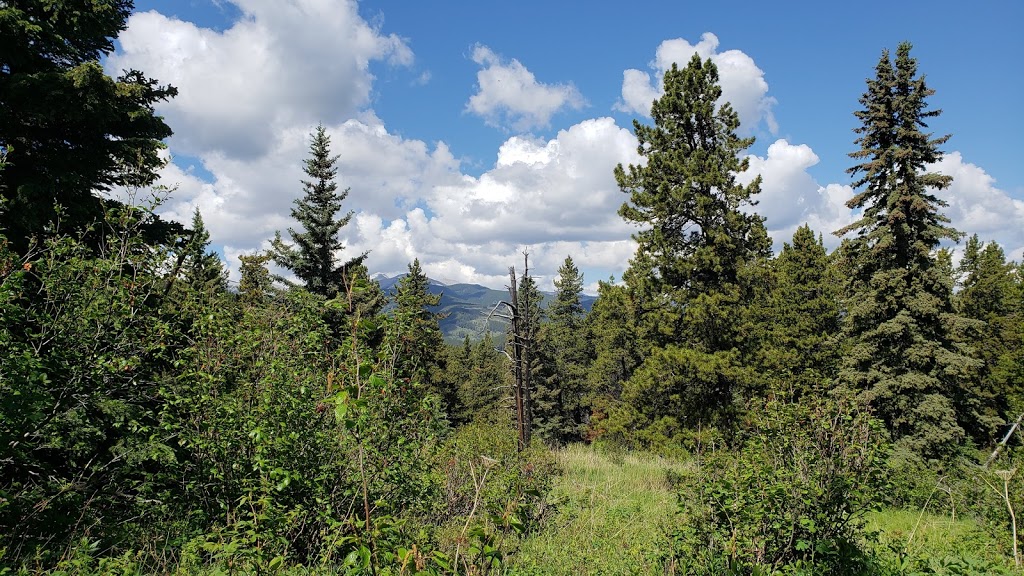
point(520, 338)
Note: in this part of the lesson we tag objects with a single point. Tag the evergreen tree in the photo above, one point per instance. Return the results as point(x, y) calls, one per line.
point(903, 356)
point(313, 257)
point(414, 339)
point(989, 293)
point(611, 326)
point(256, 285)
point(536, 362)
point(487, 389)
point(692, 272)
point(560, 411)
point(458, 371)
point(67, 129)
point(204, 272)
point(802, 318)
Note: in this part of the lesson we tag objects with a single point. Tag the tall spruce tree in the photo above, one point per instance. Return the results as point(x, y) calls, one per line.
point(989, 293)
point(560, 411)
point(696, 247)
point(414, 337)
point(801, 318)
point(313, 257)
point(67, 130)
point(903, 357)
point(204, 272)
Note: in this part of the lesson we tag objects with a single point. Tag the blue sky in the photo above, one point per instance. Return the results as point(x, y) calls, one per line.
point(470, 131)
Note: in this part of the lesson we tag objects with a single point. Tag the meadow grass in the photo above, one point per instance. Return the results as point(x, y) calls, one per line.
point(927, 535)
point(613, 509)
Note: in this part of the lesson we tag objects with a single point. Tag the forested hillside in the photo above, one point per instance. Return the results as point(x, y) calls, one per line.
point(722, 409)
point(464, 308)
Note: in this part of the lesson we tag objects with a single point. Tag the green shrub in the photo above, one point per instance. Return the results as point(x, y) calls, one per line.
point(492, 492)
point(791, 497)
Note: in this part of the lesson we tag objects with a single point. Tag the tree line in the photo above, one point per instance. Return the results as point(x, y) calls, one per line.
point(149, 411)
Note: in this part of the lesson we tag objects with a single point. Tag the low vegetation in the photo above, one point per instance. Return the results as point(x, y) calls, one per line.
point(722, 410)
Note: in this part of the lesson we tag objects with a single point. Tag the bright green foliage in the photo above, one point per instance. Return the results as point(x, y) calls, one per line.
point(485, 387)
point(903, 357)
point(84, 343)
point(71, 129)
point(612, 510)
point(801, 318)
point(256, 285)
point(313, 257)
point(693, 274)
point(200, 428)
point(611, 326)
point(413, 340)
point(203, 269)
point(291, 447)
point(483, 468)
point(792, 497)
point(990, 292)
point(560, 399)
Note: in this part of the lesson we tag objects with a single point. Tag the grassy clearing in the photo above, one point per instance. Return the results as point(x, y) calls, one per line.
point(937, 536)
point(612, 511)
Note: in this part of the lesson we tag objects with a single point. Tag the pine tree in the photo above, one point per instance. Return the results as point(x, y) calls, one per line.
point(67, 129)
point(256, 285)
point(989, 293)
point(313, 257)
point(560, 411)
point(414, 337)
point(611, 327)
point(536, 362)
point(903, 357)
point(801, 318)
point(204, 272)
point(458, 364)
point(487, 389)
point(691, 276)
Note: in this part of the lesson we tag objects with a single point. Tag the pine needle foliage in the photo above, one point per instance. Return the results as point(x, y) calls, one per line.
point(692, 276)
point(904, 358)
point(204, 271)
point(313, 256)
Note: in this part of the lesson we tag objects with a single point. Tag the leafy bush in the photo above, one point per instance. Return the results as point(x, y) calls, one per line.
point(493, 492)
point(792, 496)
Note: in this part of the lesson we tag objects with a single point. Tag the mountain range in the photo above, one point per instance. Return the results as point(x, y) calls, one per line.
point(465, 307)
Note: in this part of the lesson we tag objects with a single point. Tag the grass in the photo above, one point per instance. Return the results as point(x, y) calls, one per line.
point(613, 510)
point(612, 513)
point(926, 535)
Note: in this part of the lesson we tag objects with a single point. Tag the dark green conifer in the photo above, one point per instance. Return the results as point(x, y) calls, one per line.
point(692, 276)
point(67, 130)
point(414, 337)
point(903, 357)
point(313, 257)
point(989, 293)
point(204, 272)
point(801, 318)
point(560, 410)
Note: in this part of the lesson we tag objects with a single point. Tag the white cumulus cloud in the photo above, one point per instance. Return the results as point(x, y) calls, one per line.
point(978, 206)
point(282, 63)
point(509, 95)
point(742, 82)
point(790, 197)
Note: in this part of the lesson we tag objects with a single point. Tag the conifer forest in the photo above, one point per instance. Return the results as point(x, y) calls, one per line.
point(722, 408)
